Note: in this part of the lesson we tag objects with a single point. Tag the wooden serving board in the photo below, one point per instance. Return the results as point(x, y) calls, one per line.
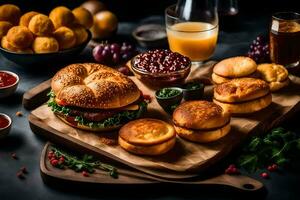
point(129, 176)
point(186, 159)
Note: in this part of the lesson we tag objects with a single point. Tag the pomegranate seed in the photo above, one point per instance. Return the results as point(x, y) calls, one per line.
point(264, 175)
point(14, 156)
point(50, 155)
point(54, 162)
point(84, 173)
point(20, 175)
point(24, 170)
point(147, 97)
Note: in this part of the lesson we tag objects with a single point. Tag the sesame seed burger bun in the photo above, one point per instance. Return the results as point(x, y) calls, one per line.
point(91, 85)
point(200, 115)
point(235, 67)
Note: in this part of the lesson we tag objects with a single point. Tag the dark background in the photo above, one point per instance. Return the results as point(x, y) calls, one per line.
point(133, 10)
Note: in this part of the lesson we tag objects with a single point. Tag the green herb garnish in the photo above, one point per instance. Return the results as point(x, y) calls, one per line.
point(86, 163)
point(167, 93)
point(279, 146)
point(116, 120)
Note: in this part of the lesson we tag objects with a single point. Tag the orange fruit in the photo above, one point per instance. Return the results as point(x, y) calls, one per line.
point(105, 24)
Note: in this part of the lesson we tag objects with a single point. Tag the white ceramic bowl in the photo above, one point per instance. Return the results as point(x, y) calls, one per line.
point(9, 90)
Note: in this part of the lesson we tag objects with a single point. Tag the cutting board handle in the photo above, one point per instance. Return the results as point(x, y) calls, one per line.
point(36, 96)
point(240, 182)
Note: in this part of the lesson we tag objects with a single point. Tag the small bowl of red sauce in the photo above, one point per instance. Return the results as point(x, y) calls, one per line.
point(5, 125)
point(8, 83)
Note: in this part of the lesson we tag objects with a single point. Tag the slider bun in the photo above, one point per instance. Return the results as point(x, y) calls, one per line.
point(91, 85)
point(200, 115)
point(219, 79)
point(272, 72)
point(147, 136)
point(241, 89)
point(203, 136)
point(246, 107)
point(87, 128)
point(274, 86)
point(235, 67)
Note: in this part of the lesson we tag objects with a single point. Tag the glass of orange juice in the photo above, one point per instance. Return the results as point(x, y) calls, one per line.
point(192, 30)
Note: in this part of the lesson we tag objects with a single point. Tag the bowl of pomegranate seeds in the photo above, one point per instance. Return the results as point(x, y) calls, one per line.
point(160, 68)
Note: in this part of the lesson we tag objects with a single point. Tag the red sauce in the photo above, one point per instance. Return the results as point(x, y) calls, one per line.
point(7, 79)
point(4, 122)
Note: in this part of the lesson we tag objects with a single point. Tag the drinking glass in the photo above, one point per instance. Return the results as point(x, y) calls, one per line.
point(285, 39)
point(192, 28)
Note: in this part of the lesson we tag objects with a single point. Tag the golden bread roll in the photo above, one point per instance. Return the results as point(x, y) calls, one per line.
point(20, 37)
point(10, 13)
point(83, 17)
point(45, 45)
point(247, 106)
point(62, 16)
point(41, 25)
point(235, 67)
point(200, 115)
point(241, 89)
point(201, 121)
point(4, 27)
point(203, 136)
point(66, 37)
point(80, 33)
point(92, 85)
point(105, 24)
point(94, 6)
point(275, 86)
point(25, 19)
point(276, 75)
point(147, 137)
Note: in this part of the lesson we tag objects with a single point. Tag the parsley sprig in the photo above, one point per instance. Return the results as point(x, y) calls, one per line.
point(279, 146)
point(87, 163)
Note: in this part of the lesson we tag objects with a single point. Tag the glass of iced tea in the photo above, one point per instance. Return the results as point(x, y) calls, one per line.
point(285, 39)
point(192, 31)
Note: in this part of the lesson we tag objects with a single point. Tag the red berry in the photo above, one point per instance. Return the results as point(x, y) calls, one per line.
point(232, 166)
point(84, 173)
point(264, 175)
point(275, 167)
point(24, 170)
point(234, 170)
point(20, 175)
point(61, 160)
point(147, 97)
point(14, 156)
point(54, 162)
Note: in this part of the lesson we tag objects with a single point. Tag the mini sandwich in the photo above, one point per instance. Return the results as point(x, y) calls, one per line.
point(243, 95)
point(201, 121)
point(94, 97)
point(235, 67)
point(275, 75)
point(147, 137)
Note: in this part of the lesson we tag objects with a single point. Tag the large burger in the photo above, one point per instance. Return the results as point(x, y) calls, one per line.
point(94, 97)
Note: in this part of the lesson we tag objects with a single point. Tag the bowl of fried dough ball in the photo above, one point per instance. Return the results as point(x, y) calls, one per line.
point(34, 38)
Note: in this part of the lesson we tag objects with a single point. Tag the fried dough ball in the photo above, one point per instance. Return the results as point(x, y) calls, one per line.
point(20, 37)
point(80, 33)
point(41, 25)
point(94, 6)
point(45, 45)
point(62, 16)
point(25, 19)
point(6, 45)
point(10, 13)
point(66, 37)
point(83, 17)
point(4, 27)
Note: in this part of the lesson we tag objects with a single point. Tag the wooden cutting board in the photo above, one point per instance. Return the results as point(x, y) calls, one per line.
point(187, 159)
point(129, 176)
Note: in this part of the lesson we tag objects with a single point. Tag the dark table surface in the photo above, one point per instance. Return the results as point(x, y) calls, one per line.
point(28, 146)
